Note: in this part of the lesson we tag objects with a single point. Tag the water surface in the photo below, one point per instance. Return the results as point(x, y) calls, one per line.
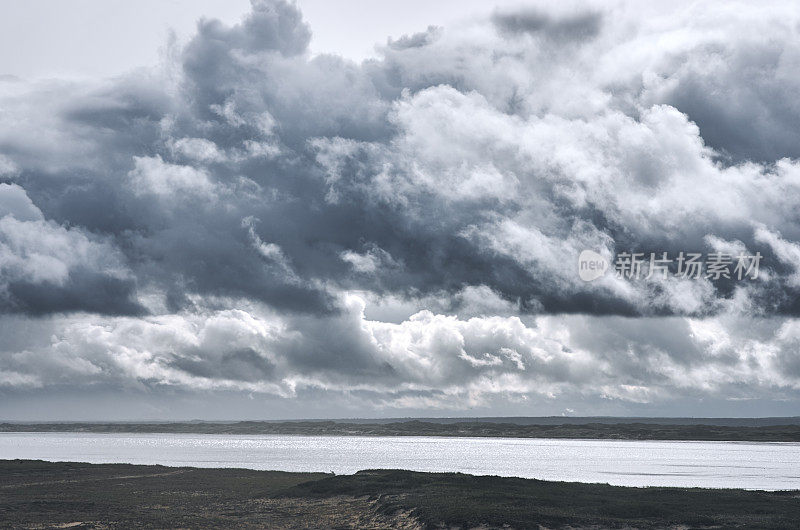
point(751, 465)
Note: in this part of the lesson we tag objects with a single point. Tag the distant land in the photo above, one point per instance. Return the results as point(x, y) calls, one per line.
point(582, 420)
point(515, 420)
point(36, 494)
point(701, 429)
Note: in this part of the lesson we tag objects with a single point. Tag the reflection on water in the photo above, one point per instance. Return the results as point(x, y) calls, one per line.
point(627, 463)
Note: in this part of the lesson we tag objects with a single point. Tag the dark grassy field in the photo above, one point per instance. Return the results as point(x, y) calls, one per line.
point(36, 494)
point(622, 430)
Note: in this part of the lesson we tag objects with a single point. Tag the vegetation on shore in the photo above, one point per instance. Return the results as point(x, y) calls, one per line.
point(36, 494)
point(468, 501)
point(622, 430)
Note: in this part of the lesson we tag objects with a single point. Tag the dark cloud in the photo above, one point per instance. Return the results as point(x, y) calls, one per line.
point(83, 291)
point(739, 96)
point(578, 27)
point(416, 40)
point(246, 365)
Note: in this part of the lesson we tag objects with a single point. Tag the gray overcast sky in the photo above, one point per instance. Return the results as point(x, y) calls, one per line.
point(254, 229)
point(89, 38)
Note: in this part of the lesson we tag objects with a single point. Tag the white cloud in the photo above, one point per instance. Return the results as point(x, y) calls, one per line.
point(198, 149)
point(42, 251)
point(151, 175)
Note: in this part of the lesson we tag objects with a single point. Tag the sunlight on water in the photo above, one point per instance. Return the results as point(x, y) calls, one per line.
point(626, 463)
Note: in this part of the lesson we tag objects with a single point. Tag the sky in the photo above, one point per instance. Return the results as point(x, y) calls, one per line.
point(104, 38)
point(268, 210)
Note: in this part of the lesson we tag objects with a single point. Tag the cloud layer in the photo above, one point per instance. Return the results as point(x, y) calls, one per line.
point(402, 233)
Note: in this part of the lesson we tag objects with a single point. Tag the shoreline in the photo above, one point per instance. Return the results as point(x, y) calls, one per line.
point(382, 469)
point(444, 436)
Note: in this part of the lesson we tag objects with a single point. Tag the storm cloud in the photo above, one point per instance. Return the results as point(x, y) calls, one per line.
point(403, 233)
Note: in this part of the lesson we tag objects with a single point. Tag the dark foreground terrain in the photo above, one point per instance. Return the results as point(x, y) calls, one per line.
point(622, 430)
point(36, 494)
